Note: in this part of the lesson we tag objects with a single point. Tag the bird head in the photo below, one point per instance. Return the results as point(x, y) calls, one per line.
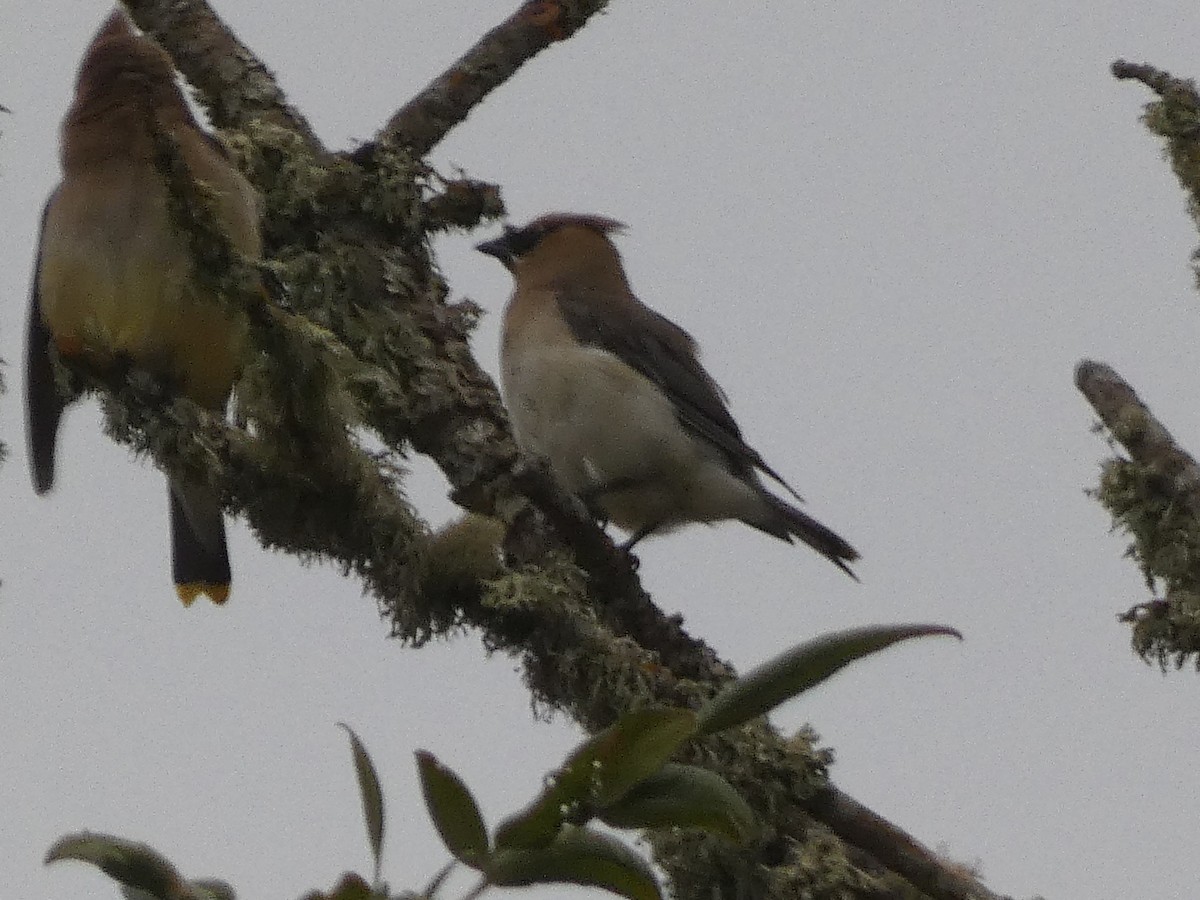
point(122, 67)
point(549, 234)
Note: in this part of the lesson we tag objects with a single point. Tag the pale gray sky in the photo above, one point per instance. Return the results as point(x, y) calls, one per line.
point(894, 230)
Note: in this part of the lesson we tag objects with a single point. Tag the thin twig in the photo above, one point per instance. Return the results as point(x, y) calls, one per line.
point(422, 122)
point(1159, 81)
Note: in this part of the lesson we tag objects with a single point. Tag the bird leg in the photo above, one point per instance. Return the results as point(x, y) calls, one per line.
point(591, 497)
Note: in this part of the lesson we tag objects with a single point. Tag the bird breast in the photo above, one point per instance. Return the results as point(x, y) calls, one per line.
point(599, 422)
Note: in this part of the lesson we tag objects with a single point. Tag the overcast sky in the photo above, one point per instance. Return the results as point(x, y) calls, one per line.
point(894, 228)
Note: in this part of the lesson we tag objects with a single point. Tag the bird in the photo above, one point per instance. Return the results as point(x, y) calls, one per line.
point(614, 397)
point(115, 282)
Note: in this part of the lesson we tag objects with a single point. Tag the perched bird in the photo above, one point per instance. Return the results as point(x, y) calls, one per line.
point(613, 395)
point(115, 281)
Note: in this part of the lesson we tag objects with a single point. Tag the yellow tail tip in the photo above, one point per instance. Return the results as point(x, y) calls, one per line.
point(189, 591)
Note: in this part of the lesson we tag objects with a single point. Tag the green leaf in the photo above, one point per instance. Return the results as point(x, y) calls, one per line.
point(453, 810)
point(680, 796)
point(136, 865)
point(536, 825)
point(799, 669)
point(636, 746)
point(372, 796)
point(577, 856)
point(599, 772)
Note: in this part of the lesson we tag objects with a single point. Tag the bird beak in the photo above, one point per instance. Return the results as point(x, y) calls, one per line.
point(497, 247)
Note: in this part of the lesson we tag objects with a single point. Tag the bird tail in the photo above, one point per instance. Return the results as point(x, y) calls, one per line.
point(786, 522)
point(199, 557)
point(43, 403)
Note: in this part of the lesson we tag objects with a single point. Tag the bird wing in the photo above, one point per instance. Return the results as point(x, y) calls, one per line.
point(656, 347)
point(43, 403)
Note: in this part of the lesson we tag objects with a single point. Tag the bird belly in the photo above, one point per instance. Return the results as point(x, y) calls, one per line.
point(601, 424)
point(124, 287)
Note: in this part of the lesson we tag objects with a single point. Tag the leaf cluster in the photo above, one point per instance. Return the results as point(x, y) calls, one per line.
point(622, 777)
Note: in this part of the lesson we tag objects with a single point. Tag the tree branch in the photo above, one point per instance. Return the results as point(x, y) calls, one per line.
point(1175, 116)
point(422, 122)
point(335, 504)
point(1154, 495)
point(869, 831)
point(350, 238)
point(234, 85)
point(1133, 424)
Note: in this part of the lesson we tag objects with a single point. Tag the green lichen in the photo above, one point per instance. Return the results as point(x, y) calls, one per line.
point(1176, 117)
point(1165, 532)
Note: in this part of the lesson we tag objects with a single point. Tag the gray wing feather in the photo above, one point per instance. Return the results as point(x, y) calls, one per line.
point(666, 354)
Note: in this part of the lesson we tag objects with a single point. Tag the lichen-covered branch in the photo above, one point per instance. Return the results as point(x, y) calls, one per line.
point(1175, 116)
point(422, 122)
point(1132, 423)
point(869, 831)
point(233, 84)
point(1154, 495)
point(334, 505)
point(573, 662)
point(349, 237)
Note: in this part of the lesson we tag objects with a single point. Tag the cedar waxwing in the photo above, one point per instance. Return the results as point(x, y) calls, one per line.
point(613, 396)
point(114, 279)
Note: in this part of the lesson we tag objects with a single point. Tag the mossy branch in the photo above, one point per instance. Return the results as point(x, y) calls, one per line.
point(345, 508)
point(447, 100)
point(1154, 495)
point(367, 338)
point(231, 82)
point(1175, 116)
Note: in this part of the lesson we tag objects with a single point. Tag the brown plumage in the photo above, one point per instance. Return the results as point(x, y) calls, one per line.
point(115, 282)
point(614, 396)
